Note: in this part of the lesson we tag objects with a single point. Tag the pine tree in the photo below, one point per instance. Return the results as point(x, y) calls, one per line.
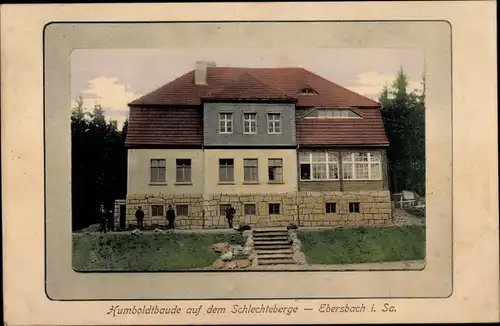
point(403, 113)
point(99, 164)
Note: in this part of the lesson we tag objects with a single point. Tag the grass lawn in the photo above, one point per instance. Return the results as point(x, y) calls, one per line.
point(147, 251)
point(363, 245)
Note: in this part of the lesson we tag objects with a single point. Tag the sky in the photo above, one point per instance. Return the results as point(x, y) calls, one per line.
point(113, 78)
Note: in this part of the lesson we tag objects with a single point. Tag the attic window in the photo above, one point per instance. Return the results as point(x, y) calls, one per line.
point(333, 113)
point(308, 91)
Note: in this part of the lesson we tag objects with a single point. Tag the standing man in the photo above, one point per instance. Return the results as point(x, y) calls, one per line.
point(230, 211)
point(102, 218)
point(139, 216)
point(170, 218)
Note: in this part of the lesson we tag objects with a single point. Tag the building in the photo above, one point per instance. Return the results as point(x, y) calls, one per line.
point(282, 145)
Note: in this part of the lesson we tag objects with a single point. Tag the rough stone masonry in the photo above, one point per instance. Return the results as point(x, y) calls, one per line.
point(309, 209)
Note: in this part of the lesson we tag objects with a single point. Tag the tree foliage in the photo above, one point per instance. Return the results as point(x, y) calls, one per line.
point(403, 113)
point(98, 163)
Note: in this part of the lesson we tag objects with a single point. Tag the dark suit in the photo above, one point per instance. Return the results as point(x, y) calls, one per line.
point(230, 211)
point(139, 215)
point(171, 218)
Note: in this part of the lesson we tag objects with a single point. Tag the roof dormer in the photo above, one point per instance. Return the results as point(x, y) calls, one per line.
point(308, 91)
point(332, 113)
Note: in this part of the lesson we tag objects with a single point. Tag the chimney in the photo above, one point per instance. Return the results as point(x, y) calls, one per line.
point(200, 74)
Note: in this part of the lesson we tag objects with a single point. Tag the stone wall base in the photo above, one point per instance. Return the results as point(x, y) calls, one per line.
point(305, 209)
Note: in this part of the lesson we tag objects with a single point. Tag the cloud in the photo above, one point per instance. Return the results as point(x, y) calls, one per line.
point(112, 95)
point(370, 84)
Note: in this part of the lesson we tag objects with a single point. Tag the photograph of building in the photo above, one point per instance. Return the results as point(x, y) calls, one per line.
point(281, 145)
point(252, 159)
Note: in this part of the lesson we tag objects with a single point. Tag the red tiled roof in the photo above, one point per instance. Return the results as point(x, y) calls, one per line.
point(183, 90)
point(247, 87)
point(173, 114)
point(368, 130)
point(159, 127)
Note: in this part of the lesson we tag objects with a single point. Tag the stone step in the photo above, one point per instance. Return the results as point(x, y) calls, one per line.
point(261, 234)
point(271, 238)
point(271, 242)
point(264, 230)
point(272, 251)
point(281, 261)
point(275, 256)
point(271, 246)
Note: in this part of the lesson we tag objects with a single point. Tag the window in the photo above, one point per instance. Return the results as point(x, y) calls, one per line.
point(250, 169)
point(249, 123)
point(183, 170)
point(249, 209)
point(362, 166)
point(158, 170)
point(181, 210)
point(222, 209)
point(225, 123)
point(275, 166)
point(319, 166)
point(308, 91)
point(274, 123)
point(332, 113)
point(226, 169)
point(353, 207)
point(156, 210)
point(274, 209)
point(331, 208)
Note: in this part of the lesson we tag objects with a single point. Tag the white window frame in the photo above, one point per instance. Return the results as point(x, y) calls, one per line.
point(251, 119)
point(330, 159)
point(343, 113)
point(278, 170)
point(184, 169)
point(227, 119)
point(372, 158)
point(254, 168)
point(270, 119)
point(228, 167)
point(164, 160)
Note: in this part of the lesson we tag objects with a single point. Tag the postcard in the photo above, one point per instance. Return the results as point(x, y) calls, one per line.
point(173, 164)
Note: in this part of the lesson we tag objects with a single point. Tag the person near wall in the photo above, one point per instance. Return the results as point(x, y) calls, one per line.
point(230, 211)
point(170, 218)
point(139, 216)
point(102, 218)
point(111, 220)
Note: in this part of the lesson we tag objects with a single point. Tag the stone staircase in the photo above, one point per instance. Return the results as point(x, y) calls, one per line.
point(273, 246)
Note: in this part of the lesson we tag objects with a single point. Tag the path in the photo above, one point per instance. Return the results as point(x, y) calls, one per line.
point(395, 265)
point(164, 231)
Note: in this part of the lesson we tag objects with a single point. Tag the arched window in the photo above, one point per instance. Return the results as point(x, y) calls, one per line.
point(319, 166)
point(362, 166)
